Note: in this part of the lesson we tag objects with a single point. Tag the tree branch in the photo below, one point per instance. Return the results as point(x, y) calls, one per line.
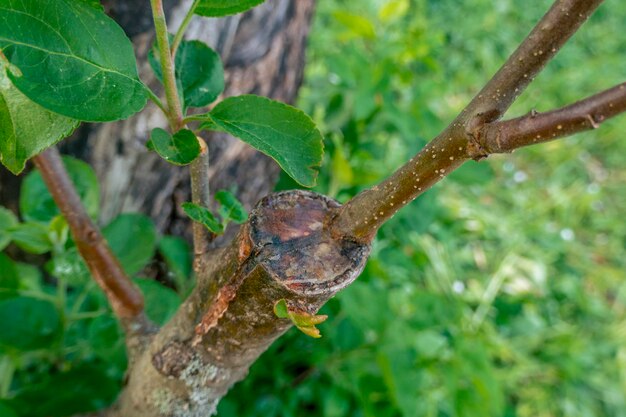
point(361, 217)
point(125, 299)
point(587, 114)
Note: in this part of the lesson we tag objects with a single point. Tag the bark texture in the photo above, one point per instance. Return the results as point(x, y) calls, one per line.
point(285, 251)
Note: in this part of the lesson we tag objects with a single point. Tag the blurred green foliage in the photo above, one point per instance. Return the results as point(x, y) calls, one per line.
point(499, 293)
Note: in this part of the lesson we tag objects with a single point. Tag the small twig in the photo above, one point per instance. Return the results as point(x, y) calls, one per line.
point(183, 27)
point(175, 113)
point(587, 114)
point(361, 217)
point(125, 299)
point(200, 195)
point(200, 167)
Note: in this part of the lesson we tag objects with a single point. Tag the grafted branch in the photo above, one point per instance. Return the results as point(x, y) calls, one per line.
point(125, 299)
point(587, 114)
point(362, 216)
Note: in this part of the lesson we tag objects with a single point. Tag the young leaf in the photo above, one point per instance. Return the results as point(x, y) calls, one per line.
point(280, 309)
point(204, 216)
point(91, 77)
point(280, 131)
point(180, 149)
point(218, 8)
point(37, 204)
point(132, 238)
point(199, 73)
point(230, 207)
point(305, 322)
point(26, 128)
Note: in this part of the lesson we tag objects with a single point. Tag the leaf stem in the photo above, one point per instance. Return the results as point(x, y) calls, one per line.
point(156, 100)
point(175, 113)
point(183, 27)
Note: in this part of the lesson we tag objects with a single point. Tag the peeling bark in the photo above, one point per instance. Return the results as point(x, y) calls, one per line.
point(285, 251)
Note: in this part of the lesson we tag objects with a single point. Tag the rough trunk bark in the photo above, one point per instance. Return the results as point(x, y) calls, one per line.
point(263, 53)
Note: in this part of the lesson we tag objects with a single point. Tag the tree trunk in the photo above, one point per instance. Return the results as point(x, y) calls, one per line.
point(263, 53)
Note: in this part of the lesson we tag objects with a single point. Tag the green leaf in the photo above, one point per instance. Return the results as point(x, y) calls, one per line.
point(106, 338)
point(58, 231)
point(74, 60)
point(26, 128)
point(7, 222)
point(305, 322)
point(81, 389)
point(69, 267)
point(218, 8)
point(9, 277)
point(37, 204)
point(161, 302)
point(132, 238)
point(31, 277)
point(280, 131)
point(5, 411)
point(357, 25)
point(177, 254)
point(180, 149)
point(199, 73)
point(230, 207)
point(32, 237)
point(93, 3)
point(36, 327)
point(204, 216)
point(280, 309)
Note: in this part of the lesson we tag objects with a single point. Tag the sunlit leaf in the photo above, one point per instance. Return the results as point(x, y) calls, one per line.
point(218, 8)
point(280, 131)
point(74, 60)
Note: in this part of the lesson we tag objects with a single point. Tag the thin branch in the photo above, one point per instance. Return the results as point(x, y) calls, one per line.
point(125, 299)
point(183, 27)
point(361, 217)
point(175, 112)
point(200, 167)
point(200, 195)
point(587, 114)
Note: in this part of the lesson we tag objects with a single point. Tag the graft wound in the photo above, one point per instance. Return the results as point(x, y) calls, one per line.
point(291, 236)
